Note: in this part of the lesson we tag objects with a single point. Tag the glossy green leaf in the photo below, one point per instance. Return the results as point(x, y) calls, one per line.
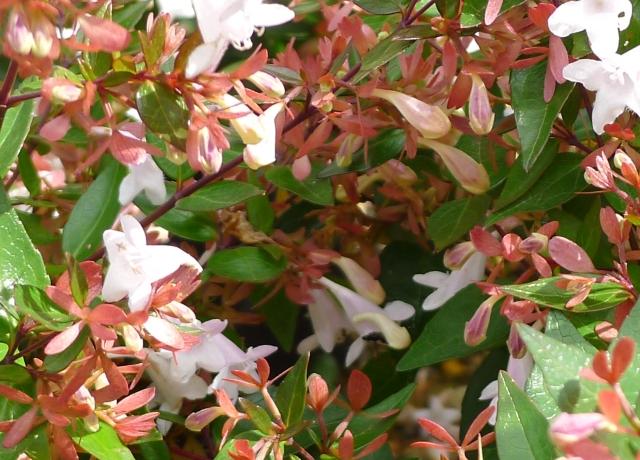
point(386, 146)
point(545, 291)
point(560, 365)
point(28, 173)
point(630, 380)
point(163, 111)
point(20, 261)
point(95, 212)
point(155, 450)
point(389, 48)
point(534, 116)
point(260, 213)
point(104, 444)
point(219, 195)
point(443, 336)
point(562, 180)
point(34, 302)
point(313, 190)
point(247, 263)
point(258, 416)
point(185, 224)
point(454, 219)
point(131, 13)
point(521, 430)
point(291, 394)
point(520, 181)
point(60, 361)
point(379, 6)
point(14, 130)
point(13, 374)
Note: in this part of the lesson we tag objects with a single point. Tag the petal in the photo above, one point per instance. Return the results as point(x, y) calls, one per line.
point(567, 19)
point(607, 106)
point(355, 350)
point(205, 57)
point(489, 392)
point(326, 319)
point(114, 289)
point(129, 189)
point(267, 15)
point(139, 297)
point(431, 279)
point(164, 260)
point(399, 310)
point(437, 299)
point(133, 231)
point(176, 8)
point(590, 73)
point(307, 345)
point(152, 179)
point(603, 34)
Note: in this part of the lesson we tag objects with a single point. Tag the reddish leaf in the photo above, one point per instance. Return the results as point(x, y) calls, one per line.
point(621, 358)
point(107, 314)
point(15, 395)
point(63, 340)
point(135, 401)
point(570, 256)
point(437, 432)
point(104, 35)
point(20, 428)
point(492, 11)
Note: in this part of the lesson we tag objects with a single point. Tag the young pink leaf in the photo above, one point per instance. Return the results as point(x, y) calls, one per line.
point(570, 256)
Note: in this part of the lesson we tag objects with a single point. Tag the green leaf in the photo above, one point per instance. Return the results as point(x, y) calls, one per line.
point(317, 191)
point(14, 374)
point(443, 337)
point(104, 444)
point(28, 173)
point(386, 146)
point(563, 179)
point(560, 365)
point(14, 130)
point(521, 430)
point(520, 181)
point(258, 416)
point(131, 13)
point(248, 263)
point(291, 394)
point(473, 11)
point(20, 261)
point(219, 195)
point(155, 450)
point(184, 224)
point(34, 302)
point(534, 116)
point(560, 328)
point(389, 48)
point(163, 111)
point(95, 212)
point(260, 214)
point(60, 361)
point(545, 291)
point(281, 316)
point(379, 6)
point(454, 219)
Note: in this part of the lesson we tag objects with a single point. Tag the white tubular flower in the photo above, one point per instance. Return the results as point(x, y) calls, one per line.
point(519, 370)
point(134, 266)
point(247, 124)
point(615, 81)
point(176, 8)
point(264, 152)
point(147, 177)
point(601, 19)
point(224, 22)
point(354, 315)
point(447, 285)
point(246, 363)
point(171, 391)
point(268, 84)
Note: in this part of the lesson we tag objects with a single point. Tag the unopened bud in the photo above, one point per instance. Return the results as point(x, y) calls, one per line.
point(475, 330)
point(535, 243)
point(198, 420)
point(481, 115)
point(43, 35)
point(456, 257)
point(348, 147)
point(18, 35)
point(318, 392)
point(132, 340)
point(61, 90)
point(202, 152)
point(467, 171)
point(627, 167)
point(361, 280)
point(268, 84)
point(301, 168)
point(430, 120)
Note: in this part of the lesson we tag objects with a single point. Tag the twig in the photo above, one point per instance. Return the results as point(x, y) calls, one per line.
point(7, 86)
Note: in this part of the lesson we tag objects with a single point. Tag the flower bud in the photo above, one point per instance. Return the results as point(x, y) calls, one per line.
point(481, 115)
point(627, 167)
point(202, 152)
point(456, 257)
point(246, 123)
point(467, 171)
point(301, 168)
point(61, 90)
point(475, 330)
point(516, 345)
point(18, 35)
point(361, 280)
point(318, 393)
point(535, 243)
point(349, 146)
point(198, 420)
point(43, 35)
point(429, 120)
point(132, 340)
point(268, 84)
